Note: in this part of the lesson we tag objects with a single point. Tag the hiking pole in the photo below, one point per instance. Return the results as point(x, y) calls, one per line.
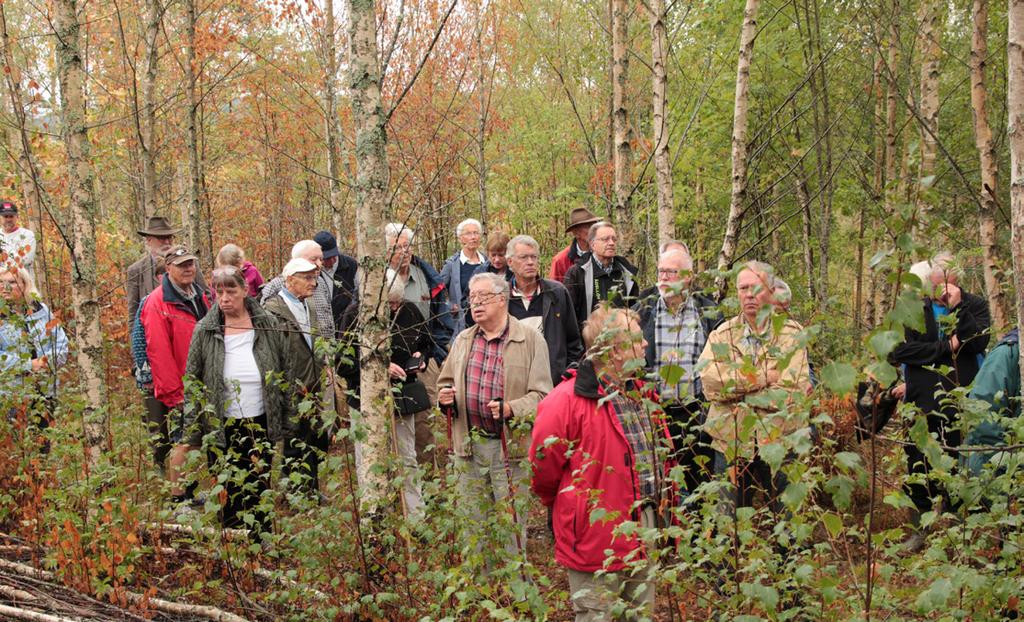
point(449, 414)
point(508, 474)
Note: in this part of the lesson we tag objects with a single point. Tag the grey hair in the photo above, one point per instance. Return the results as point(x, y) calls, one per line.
point(465, 223)
point(944, 264)
point(300, 248)
point(594, 228)
point(673, 252)
point(228, 274)
point(523, 239)
point(923, 271)
point(230, 255)
point(762, 268)
point(782, 292)
point(664, 247)
point(499, 284)
point(393, 230)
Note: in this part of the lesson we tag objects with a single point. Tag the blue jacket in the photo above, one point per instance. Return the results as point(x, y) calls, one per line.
point(28, 337)
point(451, 277)
point(442, 328)
point(143, 374)
point(998, 383)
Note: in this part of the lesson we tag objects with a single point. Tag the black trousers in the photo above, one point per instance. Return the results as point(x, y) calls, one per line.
point(156, 424)
point(247, 458)
point(691, 445)
point(303, 451)
point(942, 425)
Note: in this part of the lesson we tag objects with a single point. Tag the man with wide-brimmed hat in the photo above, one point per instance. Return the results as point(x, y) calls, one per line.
point(18, 242)
point(142, 275)
point(579, 225)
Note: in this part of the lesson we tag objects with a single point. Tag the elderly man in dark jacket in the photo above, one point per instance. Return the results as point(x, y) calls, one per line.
point(956, 333)
point(544, 305)
point(676, 322)
point(601, 275)
point(308, 438)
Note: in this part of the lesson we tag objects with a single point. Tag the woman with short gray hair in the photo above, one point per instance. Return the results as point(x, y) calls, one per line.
point(459, 268)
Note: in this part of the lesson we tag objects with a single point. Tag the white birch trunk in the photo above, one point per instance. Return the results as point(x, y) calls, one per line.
point(662, 161)
point(1015, 105)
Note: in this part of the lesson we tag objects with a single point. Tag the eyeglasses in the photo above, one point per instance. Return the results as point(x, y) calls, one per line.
point(607, 238)
point(472, 234)
point(671, 272)
point(479, 300)
point(305, 277)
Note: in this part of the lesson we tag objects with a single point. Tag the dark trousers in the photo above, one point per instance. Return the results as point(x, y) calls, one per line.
point(156, 423)
point(691, 448)
point(302, 453)
point(941, 425)
point(247, 457)
point(749, 478)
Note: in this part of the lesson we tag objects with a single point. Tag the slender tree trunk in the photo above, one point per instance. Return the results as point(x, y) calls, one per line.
point(623, 135)
point(195, 162)
point(892, 181)
point(823, 132)
point(611, 103)
point(31, 187)
point(699, 246)
point(331, 118)
point(929, 34)
point(1015, 104)
point(739, 140)
point(864, 309)
point(662, 161)
point(147, 142)
point(371, 205)
point(989, 165)
point(83, 217)
point(483, 105)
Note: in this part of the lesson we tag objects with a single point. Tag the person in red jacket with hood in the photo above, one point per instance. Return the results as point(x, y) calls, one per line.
point(169, 317)
point(595, 446)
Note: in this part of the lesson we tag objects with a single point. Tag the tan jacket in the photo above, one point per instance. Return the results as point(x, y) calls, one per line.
point(746, 411)
point(527, 381)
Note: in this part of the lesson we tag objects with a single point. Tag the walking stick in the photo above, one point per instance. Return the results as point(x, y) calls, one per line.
point(508, 474)
point(449, 414)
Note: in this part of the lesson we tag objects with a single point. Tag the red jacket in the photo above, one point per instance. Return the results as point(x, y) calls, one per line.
point(168, 322)
point(596, 474)
point(564, 260)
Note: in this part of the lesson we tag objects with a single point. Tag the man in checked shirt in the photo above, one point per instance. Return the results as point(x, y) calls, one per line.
point(495, 374)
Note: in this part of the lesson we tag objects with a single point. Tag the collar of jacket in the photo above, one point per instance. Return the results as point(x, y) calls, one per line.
point(171, 295)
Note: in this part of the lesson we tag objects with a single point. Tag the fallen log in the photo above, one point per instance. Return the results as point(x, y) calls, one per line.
point(33, 616)
point(15, 594)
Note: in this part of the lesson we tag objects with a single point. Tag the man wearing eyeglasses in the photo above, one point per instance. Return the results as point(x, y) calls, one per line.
point(676, 322)
point(496, 373)
point(543, 305)
point(602, 275)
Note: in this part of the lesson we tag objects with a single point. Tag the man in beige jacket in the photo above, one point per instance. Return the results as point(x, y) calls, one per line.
point(754, 370)
point(495, 374)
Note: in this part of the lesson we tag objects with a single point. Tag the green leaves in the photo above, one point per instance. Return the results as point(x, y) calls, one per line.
point(840, 378)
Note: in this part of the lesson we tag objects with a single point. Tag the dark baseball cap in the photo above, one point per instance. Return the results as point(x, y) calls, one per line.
point(7, 208)
point(328, 244)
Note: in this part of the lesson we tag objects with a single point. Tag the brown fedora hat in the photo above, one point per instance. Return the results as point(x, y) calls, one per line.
point(159, 227)
point(581, 216)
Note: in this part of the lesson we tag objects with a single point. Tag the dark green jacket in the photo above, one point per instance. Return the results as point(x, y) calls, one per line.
point(204, 411)
point(303, 365)
point(998, 383)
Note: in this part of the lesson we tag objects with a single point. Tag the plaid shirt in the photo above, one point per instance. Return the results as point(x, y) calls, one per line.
point(639, 434)
point(678, 341)
point(485, 378)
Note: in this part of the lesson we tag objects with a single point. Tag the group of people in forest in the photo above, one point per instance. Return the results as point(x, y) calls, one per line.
point(581, 387)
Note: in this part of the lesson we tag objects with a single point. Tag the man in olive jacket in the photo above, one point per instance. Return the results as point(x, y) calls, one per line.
point(496, 372)
point(307, 437)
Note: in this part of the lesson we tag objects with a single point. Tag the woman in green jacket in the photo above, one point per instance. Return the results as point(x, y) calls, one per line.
point(238, 355)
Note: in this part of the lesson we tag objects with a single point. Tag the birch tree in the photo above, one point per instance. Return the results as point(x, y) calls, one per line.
point(371, 185)
point(662, 161)
point(147, 124)
point(195, 161)
point(620, 115)
point(1015, 106)
point(928, 42)
point(331, 129)
point(738, 197)
point(82, 201)
point(989, 166)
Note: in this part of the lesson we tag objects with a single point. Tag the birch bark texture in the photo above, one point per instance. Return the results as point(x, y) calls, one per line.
point(659, 105)
point(623, 182)
point(929, 32)
point(82, 199)
point(195, 160)
point(331, 117)
point(371, 185)
point(989, 165)
point(147, 142)
point(741, 106)
point(1015, 111)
